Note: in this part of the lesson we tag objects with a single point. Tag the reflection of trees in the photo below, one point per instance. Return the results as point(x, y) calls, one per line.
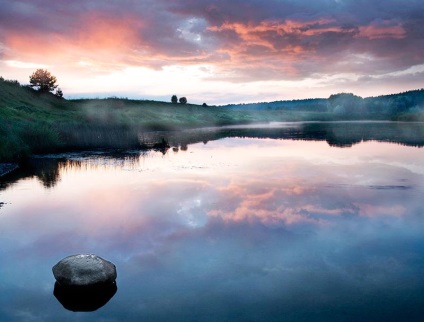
point(48, 170)
point(48, 174)
point(348, 134)
point(340, 134)
point(45, 170)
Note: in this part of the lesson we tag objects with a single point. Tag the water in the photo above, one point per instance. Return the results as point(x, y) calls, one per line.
point(235, 229)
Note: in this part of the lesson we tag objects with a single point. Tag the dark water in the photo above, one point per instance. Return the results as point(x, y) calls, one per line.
point(238, 229)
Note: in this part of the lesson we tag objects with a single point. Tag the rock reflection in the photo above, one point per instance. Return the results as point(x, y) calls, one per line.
point(84, 299)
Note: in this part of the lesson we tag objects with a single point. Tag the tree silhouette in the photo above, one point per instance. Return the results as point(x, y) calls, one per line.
point(183, 100)
point(174, 99)
point(59, 93)
point(42, 80)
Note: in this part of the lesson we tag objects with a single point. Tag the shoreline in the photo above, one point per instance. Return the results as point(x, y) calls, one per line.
point(162, 139)
point(6, 168)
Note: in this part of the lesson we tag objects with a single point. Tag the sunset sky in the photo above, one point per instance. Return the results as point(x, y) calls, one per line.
point(216, 51)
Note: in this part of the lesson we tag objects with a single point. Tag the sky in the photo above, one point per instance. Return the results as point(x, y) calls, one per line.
point(214, 51)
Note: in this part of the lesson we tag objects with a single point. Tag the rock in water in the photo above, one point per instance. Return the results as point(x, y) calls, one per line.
point(84, 271)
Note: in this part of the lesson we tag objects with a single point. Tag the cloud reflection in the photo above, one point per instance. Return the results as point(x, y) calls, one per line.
point(264, 229)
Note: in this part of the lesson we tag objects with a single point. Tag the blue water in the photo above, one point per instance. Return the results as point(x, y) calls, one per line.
point(232, 230)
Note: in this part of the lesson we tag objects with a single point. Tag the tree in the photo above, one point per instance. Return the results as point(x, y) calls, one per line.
point(174, 99)
point(183, 100)
point(59, 93)
point(205, 105)
point(346, 104)
point(42, 80)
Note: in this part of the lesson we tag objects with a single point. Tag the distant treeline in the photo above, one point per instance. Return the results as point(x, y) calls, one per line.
point(403, 106)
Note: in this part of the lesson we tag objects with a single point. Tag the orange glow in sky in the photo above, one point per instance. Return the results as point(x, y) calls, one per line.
point(215, 52)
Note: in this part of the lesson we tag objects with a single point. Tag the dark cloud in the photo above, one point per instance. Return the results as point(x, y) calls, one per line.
point(254, 39)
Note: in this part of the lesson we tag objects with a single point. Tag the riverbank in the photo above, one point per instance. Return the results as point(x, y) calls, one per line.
point(33, 122)
point(36, 123)
point(6, 168)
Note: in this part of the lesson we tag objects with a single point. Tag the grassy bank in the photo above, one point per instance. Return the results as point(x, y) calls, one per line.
point(33, 122)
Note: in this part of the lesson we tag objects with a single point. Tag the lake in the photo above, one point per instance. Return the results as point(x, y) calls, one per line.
point(283, 222)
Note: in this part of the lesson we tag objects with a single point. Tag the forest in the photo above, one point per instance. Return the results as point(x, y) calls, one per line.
point(406, 106)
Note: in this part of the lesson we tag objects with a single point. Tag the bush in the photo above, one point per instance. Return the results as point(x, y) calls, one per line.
point(59, 92)
point(12, 81)
point(183, 100)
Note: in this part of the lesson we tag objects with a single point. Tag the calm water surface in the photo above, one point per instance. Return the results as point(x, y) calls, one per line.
point(232, 230)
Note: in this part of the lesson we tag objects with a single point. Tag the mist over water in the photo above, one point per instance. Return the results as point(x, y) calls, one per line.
point(237, 229)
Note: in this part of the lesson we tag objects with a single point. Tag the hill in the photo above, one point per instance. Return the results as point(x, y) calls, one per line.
point(407, 106)
point(34, 122)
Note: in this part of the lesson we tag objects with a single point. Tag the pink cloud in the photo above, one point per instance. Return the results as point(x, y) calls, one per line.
point(275, 36)
point(372, 210)
point(382, 29)
point(250, 30)
point(240, 41)
point(100, 38)
point(271, 202)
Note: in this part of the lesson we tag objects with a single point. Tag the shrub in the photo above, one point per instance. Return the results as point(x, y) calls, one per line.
point(59, 92)
point(42, 80)
point(12, 81)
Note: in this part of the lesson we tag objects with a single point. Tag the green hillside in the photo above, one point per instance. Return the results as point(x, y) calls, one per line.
point(33, 122)
point(407, 106)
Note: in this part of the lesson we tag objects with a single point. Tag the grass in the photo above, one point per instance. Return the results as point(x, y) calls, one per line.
point(33, 122)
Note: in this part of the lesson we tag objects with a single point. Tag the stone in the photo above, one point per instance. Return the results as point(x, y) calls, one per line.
point(84, 271)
